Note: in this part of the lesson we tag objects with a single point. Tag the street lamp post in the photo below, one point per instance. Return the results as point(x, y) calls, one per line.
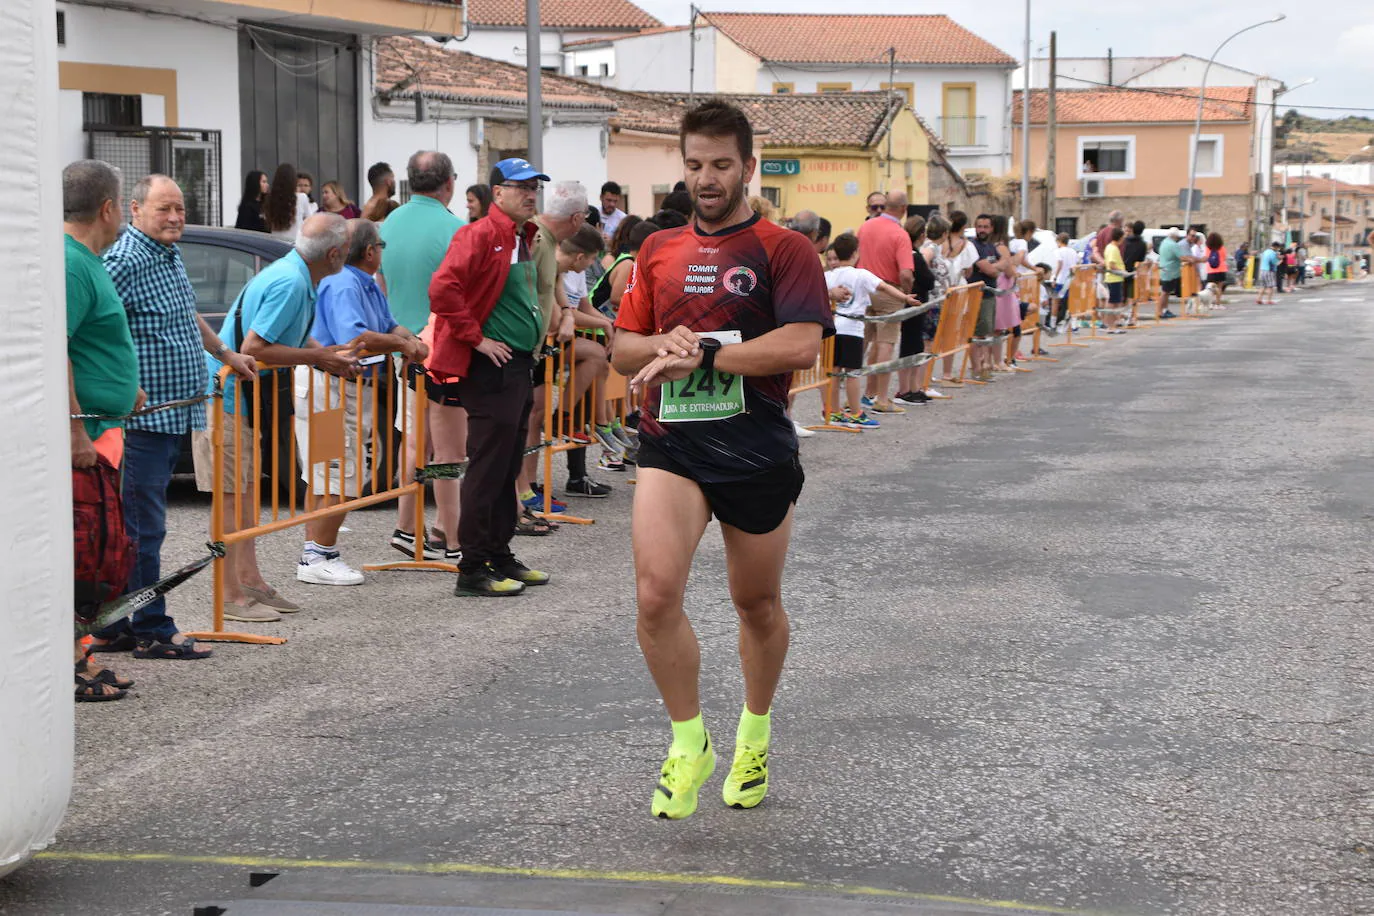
point(1197, 123)
point(1273, 118)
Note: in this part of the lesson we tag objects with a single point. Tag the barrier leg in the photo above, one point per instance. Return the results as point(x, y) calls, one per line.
point(420, 408)
point(217, 632)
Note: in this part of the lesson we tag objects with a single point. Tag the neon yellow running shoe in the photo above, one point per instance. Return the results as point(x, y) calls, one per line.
point(747, 783)
point(675, 797)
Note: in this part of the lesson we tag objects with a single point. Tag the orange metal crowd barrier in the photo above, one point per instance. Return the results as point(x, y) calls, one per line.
point(1190, 284)
point(1082, 302)
point(958, 315)
point(1028, 289)
point(820, 377)
point(348, 428)
point(1146, 291)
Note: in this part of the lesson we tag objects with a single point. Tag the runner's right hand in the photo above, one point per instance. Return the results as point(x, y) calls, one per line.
point(679, 342)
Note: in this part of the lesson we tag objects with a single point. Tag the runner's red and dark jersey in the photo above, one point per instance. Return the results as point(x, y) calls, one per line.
point(752, 278)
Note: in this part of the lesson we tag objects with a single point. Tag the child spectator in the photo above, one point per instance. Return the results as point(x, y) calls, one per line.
point(849, 330)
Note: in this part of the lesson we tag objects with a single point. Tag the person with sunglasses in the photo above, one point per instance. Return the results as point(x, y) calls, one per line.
point(877, 204)
point(489, 324)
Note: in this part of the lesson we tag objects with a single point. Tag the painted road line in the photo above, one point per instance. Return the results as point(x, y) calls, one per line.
point(1311, 299)
point(571, 874)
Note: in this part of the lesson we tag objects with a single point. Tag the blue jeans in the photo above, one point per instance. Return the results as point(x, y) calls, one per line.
point(149, 459)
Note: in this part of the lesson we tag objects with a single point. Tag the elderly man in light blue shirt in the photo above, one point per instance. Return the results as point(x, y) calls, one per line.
point(351, 311)
point(270, 321)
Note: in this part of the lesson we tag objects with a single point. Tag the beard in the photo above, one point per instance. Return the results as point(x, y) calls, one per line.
point(718, 211)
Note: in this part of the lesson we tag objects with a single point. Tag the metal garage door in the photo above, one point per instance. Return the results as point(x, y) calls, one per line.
point(298, 103)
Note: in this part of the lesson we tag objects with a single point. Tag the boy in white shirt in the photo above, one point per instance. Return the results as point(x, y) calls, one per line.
point(841, 257)
point(1066, 259)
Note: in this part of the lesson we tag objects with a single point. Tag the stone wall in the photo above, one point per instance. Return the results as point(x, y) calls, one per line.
point(1218, 213)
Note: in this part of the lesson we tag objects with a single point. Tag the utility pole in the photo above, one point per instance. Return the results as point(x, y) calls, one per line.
point(1051, 135)
point(534, 105)
point(692, 60)
point(891, 89)
point(1025, 119)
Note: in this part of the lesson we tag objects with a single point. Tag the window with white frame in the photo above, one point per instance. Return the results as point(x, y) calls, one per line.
point(1110, 157)
point(1210, 150)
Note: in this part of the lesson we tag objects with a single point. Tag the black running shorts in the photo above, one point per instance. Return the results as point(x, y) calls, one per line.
point(1173, 287)
point(755, 505)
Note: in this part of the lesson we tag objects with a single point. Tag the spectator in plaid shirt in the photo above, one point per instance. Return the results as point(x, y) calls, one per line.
point(170, 338)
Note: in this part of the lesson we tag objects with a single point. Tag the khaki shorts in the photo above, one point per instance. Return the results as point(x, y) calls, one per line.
point(887, 332)
point(333, 419)
point(203, 454)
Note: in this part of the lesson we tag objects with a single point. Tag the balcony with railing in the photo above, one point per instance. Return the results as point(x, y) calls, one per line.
point(964, 131)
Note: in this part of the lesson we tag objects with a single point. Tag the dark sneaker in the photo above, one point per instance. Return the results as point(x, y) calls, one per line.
point(484, 583)
point(404, 541)
point(514, 570)
point(587, 487)
point(912, 398)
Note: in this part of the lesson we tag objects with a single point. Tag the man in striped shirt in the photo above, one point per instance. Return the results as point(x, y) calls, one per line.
point(171, 339)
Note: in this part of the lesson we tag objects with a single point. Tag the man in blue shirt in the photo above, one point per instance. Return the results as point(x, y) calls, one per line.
point(171, 339)
point(352, 311)
point(1170, 270)
point(270, 321)
point(1268, 274)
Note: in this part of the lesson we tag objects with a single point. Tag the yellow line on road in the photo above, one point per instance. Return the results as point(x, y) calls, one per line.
point(580, 874)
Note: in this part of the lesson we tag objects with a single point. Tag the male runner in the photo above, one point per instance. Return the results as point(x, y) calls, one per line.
point(715, 438)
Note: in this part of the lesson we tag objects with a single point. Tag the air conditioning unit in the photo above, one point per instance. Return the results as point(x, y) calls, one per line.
point(1093, 187)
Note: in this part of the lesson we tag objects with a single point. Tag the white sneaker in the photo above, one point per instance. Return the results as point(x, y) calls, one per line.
point(333, 571)
point(802, 431)
point(936, 394)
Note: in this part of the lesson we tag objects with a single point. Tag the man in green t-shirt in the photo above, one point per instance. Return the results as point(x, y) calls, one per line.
point(102, 365)
point(414, 239)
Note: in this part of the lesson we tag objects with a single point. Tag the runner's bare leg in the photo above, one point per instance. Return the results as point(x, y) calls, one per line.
point(754, 564)
point(669, 517)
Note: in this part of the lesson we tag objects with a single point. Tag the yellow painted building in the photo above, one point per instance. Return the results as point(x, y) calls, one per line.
point(828, 151)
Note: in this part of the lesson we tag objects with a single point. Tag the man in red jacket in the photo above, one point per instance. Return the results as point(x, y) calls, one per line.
point(489, 326)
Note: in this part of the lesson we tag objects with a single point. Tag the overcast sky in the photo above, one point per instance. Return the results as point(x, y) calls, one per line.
point(1336, 45)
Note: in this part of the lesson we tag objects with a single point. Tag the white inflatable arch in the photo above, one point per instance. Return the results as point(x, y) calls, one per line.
point(36, 709)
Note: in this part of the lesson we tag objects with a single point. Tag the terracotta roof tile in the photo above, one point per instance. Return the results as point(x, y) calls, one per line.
point(1116, 106)
point(805, 38)
point(584, 42)
point(564, 14)
point(1318, 184)
point(407, 66)
point(839, 119)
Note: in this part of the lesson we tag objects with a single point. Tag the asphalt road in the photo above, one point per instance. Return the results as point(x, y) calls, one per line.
point(1095, 638)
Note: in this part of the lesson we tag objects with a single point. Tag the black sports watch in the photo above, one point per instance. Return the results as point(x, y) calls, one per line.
point(709, 348)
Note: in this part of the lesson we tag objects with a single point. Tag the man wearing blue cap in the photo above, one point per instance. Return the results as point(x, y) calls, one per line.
point(488, 326)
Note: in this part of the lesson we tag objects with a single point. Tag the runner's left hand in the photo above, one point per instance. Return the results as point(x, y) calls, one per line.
point(666, 369)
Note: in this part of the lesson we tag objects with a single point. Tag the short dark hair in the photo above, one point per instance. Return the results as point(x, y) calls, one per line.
point(718, 118)
point(594, 216)
point(611, 187)
point(586, 240)
point(428, 171)
point(1214, 241)
point(306, 175)
point(377, 172)
point(824, 231)
point(680, 201)
point(640, 233)
point(845, 245)
point(668, 219)
point(1138, 227)
point(1118, 233)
